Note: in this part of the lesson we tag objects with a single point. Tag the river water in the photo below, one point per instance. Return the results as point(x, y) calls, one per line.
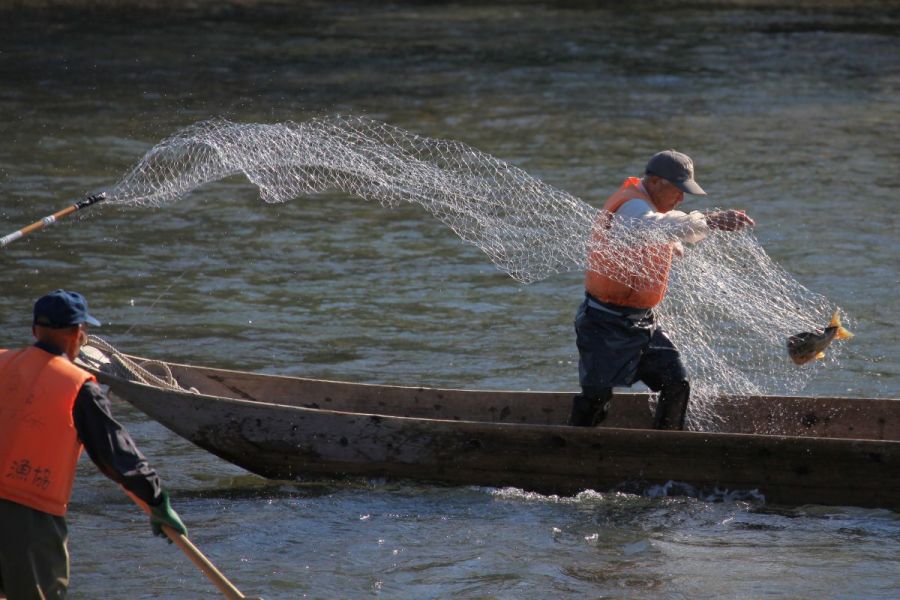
point(790, 110)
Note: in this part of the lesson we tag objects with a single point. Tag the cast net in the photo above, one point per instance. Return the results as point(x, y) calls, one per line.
point(729, 306)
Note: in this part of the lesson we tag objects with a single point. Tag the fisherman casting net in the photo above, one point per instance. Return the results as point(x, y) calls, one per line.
point(729, 308)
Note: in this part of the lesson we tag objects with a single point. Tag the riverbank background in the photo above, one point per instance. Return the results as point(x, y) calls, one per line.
point(791, 110)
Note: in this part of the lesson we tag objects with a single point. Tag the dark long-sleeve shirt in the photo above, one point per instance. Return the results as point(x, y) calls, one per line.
point(108, 443)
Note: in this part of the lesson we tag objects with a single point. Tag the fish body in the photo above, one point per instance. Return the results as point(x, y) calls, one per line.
point(807, 346)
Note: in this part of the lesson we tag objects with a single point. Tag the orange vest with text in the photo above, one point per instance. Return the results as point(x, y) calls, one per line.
point(39, 447)
point(614, 279)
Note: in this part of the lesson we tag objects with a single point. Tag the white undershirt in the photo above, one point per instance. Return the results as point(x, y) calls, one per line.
point(686, 227)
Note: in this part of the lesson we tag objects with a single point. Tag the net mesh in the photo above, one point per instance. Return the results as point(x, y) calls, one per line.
point(729, 307)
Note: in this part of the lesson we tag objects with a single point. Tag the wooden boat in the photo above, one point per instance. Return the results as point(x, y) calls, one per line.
point(791, 450)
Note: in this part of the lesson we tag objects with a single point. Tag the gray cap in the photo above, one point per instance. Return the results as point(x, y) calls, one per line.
point(677, 169)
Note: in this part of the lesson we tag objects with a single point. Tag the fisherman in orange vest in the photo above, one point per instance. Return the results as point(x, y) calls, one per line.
point(617, 337)
point(49, 410)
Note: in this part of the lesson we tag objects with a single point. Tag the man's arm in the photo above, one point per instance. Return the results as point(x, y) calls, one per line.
point(110, 446)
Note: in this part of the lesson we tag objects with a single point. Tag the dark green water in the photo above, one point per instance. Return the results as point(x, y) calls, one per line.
point(790, 111)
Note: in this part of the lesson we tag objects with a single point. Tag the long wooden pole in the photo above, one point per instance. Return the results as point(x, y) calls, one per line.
point(197, 557)
point(51, 219)
point(204, 564)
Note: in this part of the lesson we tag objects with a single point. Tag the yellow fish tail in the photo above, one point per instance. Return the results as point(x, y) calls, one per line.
point(842, 333)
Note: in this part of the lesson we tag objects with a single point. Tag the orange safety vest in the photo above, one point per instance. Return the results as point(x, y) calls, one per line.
point(39, 447)
point(612, 278)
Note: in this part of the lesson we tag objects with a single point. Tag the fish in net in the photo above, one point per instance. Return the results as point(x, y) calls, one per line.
point(728, 308)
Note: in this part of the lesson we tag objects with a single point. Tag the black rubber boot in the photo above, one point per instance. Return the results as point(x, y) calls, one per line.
point(672, 406)
point(590, 407)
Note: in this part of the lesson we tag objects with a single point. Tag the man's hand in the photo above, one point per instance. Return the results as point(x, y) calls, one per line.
point(164, 514)
point(728, 220)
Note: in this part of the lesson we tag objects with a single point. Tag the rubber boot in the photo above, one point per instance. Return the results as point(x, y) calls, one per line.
point(672, 406)
point(590, 407)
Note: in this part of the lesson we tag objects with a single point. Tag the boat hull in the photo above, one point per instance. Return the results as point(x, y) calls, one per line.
point(296, 437)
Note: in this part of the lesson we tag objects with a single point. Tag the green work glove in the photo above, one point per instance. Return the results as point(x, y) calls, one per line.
point(164, 514)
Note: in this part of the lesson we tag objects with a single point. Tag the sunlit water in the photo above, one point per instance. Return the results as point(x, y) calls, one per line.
point(790, 113)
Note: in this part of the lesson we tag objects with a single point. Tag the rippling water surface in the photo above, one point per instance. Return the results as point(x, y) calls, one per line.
point(791, 111)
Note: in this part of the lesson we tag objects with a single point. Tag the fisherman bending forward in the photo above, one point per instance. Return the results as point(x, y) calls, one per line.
point(617, 337)
point(49, 409)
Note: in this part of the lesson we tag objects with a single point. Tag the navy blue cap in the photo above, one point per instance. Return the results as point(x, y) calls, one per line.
point(60, 309)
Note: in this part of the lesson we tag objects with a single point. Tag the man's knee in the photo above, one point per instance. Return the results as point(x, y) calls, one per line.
point(590, 407)
point(671, 408)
